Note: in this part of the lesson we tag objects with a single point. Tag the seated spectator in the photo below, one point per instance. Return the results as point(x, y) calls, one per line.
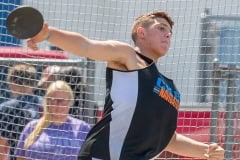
point(20, 109)
point(74, 77)
point(49, 74)
point(56, 135)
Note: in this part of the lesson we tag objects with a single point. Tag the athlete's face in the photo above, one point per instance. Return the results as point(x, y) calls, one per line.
point(157, 37)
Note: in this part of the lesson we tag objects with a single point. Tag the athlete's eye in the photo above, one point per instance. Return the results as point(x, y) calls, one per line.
point(164, 29)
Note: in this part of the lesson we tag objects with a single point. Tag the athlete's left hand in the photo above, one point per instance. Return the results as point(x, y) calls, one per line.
point(214, 152)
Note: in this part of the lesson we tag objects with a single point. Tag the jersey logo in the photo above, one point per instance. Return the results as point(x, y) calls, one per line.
point(167, 93)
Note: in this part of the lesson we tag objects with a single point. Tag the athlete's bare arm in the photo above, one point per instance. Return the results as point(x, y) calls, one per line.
point(185, 146)
point(118, 54)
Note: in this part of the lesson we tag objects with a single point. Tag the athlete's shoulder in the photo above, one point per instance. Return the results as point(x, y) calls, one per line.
point(133, 61)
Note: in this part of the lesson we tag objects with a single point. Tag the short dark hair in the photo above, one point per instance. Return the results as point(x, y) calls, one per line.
point(72, 75)
point(22, 74)
point(148, 19)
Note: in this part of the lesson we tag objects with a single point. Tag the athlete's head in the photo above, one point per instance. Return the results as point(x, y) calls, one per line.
point(147, 20)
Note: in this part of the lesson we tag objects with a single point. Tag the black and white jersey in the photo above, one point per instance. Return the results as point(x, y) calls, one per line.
point(140, 116)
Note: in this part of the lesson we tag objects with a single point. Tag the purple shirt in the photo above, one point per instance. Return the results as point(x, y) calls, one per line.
point(61, 142)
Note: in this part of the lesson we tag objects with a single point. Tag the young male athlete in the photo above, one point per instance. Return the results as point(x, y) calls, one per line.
point(141, 106)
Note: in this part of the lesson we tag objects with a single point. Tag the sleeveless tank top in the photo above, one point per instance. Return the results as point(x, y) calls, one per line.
point(139, 119)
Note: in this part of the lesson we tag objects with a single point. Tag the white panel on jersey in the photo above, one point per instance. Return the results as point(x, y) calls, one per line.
point(124, 94)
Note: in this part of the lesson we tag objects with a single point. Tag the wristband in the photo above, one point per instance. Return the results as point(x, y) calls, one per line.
point(48, 36)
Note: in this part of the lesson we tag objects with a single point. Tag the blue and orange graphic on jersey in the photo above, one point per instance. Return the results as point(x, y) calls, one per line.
point(167, 93)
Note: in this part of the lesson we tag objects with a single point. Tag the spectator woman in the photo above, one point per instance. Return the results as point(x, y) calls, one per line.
point(56, 135)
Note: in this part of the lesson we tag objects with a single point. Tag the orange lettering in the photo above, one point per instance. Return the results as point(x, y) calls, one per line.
point(169, 98)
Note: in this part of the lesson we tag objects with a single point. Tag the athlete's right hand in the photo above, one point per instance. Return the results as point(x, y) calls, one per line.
point(41, 36)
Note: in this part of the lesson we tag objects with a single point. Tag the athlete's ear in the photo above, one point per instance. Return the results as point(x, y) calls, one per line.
point(140, 32)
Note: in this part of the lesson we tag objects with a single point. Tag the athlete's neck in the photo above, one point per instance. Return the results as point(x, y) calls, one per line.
point(150, 56)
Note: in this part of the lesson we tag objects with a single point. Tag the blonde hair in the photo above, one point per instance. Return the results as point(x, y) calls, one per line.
point(147, 19)
point(45, 121)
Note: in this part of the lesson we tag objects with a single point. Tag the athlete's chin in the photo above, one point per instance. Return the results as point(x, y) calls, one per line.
point(164, 48)
point(163, 52)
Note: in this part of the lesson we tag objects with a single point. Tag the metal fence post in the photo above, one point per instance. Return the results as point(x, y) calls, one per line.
point(206, 49)
point(216, 75)
point(229, 122)
point(90, 110)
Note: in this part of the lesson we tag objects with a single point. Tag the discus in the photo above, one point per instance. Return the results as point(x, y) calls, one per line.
point(24, 22)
